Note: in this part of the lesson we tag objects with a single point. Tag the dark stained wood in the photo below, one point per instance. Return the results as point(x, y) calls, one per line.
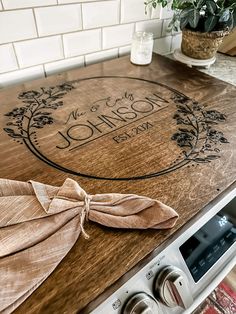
point(95, 264)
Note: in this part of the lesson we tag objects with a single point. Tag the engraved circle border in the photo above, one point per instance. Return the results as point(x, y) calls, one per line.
point(30, 145)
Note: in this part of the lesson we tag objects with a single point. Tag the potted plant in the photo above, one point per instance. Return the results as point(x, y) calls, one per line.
point(204, 23)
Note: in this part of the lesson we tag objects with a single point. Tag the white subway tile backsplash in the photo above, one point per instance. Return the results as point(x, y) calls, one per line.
point(99, 14)
point(68, 1)
point(162, 45)
point(7, 58)
point(157, 12)
point(116, 36)
point(133, 10)
point(58, 35)
point(19, 4)
point(83, 42)
point(153, 26)
point(38, 51)
point(63, 65)
point(60, 19)
point(162, 13)
point(16, 25)
point(75, 1)
point(21, 76)
point(123, 51)
point(167, 12)
point(176, 42)
point(101, 56)
point(166, 29)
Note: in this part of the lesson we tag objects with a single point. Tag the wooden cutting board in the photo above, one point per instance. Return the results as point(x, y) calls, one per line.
point(164, 130)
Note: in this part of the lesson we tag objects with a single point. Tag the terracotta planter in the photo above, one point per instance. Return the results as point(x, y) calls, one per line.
point(199, 45)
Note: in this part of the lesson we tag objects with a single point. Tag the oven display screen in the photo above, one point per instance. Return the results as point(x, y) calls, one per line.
point(209, 243)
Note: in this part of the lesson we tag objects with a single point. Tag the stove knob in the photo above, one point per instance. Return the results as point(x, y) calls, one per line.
point(171, 287)
point(141, 303)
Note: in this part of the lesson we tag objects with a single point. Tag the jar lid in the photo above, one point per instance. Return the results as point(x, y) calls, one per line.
point(143, 36)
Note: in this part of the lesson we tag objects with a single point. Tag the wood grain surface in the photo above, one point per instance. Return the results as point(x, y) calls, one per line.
point(164, 130)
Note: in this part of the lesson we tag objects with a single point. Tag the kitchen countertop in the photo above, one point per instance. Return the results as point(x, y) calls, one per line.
point(136, 140)
point(224, 68)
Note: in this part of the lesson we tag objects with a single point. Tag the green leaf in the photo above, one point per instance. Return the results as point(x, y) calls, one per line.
point(225, 16)
point(211, 6)
point(230, 22)
point(234, 18)
point(183, 22)
point(200, 3)
point(210, 23)
point(164, 3)
point(193, 18)
point(185, 13)
point(185, 1)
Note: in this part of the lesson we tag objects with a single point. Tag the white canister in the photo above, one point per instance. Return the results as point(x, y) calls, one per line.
point(141, 49)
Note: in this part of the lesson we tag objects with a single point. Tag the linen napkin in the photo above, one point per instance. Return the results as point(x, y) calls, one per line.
point(39, 224)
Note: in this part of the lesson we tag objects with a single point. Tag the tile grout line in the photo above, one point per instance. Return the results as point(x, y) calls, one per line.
point(84, 61)
point(119, 12)
point(81, 14)
point(44, 70)
point(162, 26)
point(63, 47)
point(171, 44)
point(101, 36)
point(35, 21)
point(17, 61)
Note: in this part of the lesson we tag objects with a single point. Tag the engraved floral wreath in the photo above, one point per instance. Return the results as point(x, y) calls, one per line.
point(197, 136)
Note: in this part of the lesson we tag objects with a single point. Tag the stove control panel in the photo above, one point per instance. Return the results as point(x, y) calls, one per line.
point(169, 284)
point(170, 289)
point(158, 288)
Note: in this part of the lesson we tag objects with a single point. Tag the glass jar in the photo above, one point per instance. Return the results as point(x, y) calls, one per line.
point(141, 49)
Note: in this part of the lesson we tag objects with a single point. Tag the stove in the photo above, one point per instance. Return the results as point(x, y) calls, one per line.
point(164, 131)
point(182, 275)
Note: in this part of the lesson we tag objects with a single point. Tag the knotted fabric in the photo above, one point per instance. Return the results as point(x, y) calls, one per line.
point(39, 224)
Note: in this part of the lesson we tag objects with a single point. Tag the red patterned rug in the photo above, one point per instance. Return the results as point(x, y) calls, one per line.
point(221, 300)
